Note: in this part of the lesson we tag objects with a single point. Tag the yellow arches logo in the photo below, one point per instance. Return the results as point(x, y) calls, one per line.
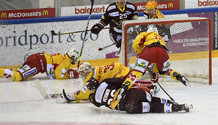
point(45, 12)
point(4, 15)
point(170, 5)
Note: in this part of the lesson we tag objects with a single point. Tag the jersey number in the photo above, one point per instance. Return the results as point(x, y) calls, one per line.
point(123, 16)
point(110, 67)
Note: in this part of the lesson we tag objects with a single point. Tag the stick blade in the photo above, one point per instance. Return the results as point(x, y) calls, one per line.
point(41, 89)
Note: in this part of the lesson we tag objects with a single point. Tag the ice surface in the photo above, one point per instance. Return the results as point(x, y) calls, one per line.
point(21, 104)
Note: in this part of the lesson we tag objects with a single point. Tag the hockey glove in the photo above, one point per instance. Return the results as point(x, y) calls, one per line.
point(96, 28)
point(154, 77)
point(118, 44)
point(92, 84)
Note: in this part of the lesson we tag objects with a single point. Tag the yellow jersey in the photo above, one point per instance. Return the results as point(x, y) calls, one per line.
point(114, 70)
point(158, 14)
point(57, 65)
point(150, 39)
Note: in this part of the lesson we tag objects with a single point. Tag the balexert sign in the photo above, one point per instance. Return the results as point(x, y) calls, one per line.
point(200, 3)
point(27, 13)
point(86, 10)
point(203, 3)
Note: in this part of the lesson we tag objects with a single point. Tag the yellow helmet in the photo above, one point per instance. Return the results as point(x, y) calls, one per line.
point(151, 5)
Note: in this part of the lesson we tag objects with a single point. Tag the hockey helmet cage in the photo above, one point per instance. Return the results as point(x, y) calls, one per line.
point(152, 28)
point(151, 5)
point(84, 69)
point(73, 53)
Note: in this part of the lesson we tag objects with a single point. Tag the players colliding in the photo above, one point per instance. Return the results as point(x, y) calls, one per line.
point(150, 49)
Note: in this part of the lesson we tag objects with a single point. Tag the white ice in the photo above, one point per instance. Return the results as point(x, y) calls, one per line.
point(21, 103)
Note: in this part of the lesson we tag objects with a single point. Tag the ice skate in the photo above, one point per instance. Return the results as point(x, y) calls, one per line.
point(182, 107)
point(181, 78)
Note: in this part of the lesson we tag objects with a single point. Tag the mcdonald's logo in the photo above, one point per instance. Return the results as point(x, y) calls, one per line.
point(45, 12)
point(170, 5)
point(4, 15)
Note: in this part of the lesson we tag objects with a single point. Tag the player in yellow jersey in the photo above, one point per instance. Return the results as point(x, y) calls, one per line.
point(56, 66)
point(150, 48)
point(114, 70)
point(151, 12)
point(86, 71)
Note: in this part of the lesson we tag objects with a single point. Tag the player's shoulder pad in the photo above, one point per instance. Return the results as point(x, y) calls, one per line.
point(130, 5)
point(111, 6)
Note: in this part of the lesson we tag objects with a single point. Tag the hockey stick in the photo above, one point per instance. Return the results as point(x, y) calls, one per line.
point(99, 49)
point(81, 51)
point(69, 100)
point(41, 89)
point(162, 87)
point(45, 95)
point(53, 32)
point(166, 92)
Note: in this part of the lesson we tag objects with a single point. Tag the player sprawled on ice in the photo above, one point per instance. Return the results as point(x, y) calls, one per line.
point(150, 48)
point(86, 71)
point(56, 66)
point(115, 14)
point(135, 100)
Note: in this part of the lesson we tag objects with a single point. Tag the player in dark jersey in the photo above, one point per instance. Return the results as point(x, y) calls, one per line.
point(115, 14)
point(134, 101)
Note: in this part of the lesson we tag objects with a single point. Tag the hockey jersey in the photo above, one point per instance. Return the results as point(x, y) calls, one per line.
point(158, 14)
point(104, 94)
point(57, 65)
point(115, 15)
point(115, 70)
point(151, 38)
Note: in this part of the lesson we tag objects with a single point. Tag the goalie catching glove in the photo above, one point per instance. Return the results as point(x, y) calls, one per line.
point(96, 28)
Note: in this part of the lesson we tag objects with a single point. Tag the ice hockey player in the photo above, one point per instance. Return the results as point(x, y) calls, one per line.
point(115, 14)
point(56, 66)
point(151, 12)
point(133, 101)
point(86, 71)
point(150, 48)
